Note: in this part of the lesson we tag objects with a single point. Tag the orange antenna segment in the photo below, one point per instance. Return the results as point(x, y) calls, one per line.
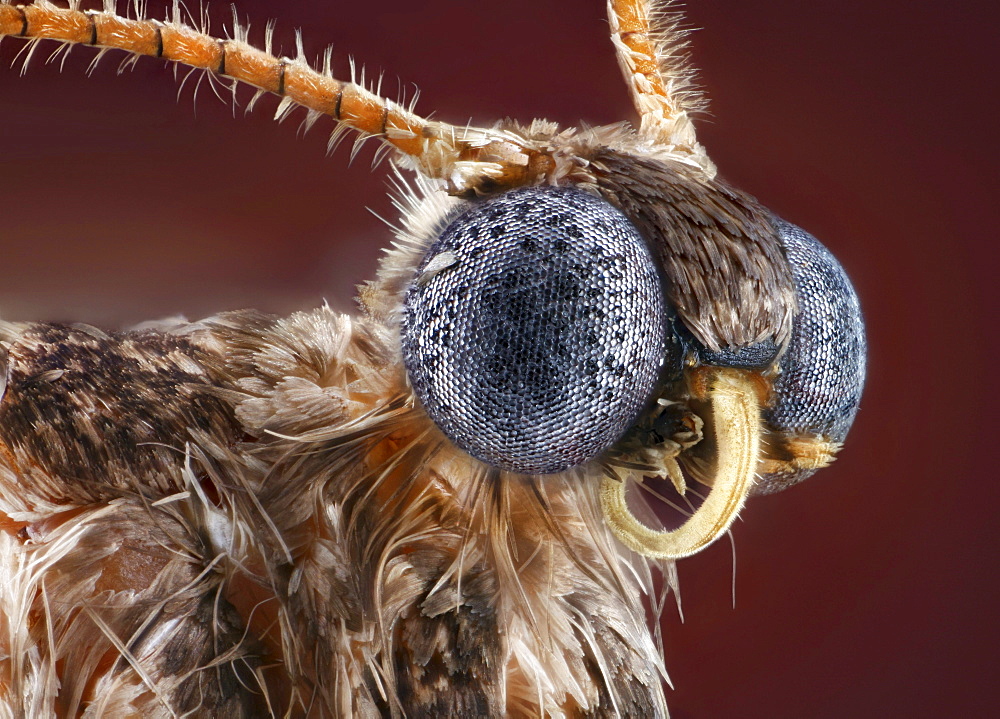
point(637, 53)
point(436, 148)
point(650, 48)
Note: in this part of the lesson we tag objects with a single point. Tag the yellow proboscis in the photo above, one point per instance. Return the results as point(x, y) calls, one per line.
point(736, 414)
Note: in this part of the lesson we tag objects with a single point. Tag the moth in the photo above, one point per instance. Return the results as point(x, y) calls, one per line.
point(582, 353)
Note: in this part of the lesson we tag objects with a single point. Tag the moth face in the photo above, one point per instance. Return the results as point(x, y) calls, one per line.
point(539, 334)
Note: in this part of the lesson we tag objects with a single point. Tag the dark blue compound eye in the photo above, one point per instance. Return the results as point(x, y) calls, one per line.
point(823, 370)
point(534, 330)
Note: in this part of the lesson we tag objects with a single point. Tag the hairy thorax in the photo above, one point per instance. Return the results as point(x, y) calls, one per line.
point(333, 542)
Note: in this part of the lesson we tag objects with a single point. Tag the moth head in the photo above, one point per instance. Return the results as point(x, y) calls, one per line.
point(647, 321)
point(591, 301)
point(600, 302)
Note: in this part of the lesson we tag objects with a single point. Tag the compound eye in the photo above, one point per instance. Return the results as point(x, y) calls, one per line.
point(823, 370)
point(535, 329)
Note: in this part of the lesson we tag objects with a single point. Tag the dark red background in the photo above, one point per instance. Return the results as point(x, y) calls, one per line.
point(868, 592)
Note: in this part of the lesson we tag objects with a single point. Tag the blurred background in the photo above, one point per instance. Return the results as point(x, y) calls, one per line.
point(869, 591)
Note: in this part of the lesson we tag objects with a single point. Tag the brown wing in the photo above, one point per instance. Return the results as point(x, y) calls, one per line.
point(108, 601)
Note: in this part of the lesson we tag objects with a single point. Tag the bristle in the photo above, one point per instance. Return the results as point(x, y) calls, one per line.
point(61, 49)
point(359, 142)
point(380, 154)
point(258, 93)
point(670, 39)
point(26, 53)
point(269, 37)
point(312, 117)
point(328, 61)
point(183, 82)
point(128, 63)
point(284, 109)
point(96, 60)
point(336, 137)
point(240, 33)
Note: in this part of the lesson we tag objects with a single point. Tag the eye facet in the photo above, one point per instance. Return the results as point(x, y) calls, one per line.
point(534, 332)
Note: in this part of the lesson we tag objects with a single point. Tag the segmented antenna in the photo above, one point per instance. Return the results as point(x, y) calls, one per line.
point(466, 159)
point(652, 52)
point(461, 156)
